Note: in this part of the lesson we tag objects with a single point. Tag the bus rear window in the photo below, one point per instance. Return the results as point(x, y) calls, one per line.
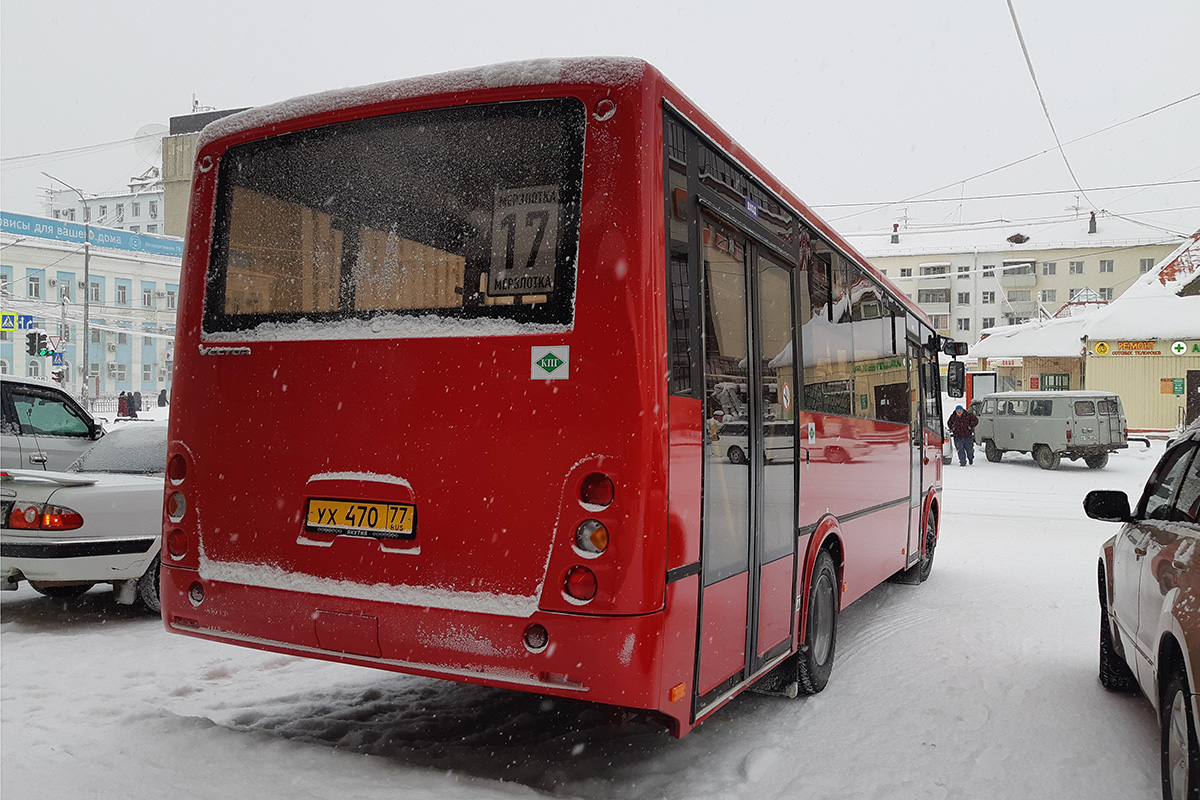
point(463, 213)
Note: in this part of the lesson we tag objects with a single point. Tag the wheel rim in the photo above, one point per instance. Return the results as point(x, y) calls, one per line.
point(1177, 747)
point(930, 543)
point(821, 619)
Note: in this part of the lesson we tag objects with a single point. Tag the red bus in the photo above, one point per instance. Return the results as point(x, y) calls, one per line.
point(529, 376)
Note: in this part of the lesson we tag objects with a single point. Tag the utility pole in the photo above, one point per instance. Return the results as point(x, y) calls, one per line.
point(87, 290)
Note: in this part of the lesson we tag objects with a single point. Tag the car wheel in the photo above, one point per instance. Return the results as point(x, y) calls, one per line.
point(60, 591)
point(820, 635)
point(1097, 461)
point(147, 585)
point(1180, 754)
point(993, 453)
point(836, 455)
point(736, 455)
point(925, 565)
point(1115, 674)
point(1045, 457)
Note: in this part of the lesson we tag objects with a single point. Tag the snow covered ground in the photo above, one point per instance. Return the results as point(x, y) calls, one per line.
point(980, 683)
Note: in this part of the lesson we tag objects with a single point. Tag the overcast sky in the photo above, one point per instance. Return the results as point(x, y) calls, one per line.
point(846, 102)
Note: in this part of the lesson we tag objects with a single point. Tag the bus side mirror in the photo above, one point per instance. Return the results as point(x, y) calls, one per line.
point(956, 379)
point(955, 349)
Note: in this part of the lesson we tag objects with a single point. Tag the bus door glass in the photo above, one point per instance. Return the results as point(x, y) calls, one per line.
point(749, 478)
point(916, 452)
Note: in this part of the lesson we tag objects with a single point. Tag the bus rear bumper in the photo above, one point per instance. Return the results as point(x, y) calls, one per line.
point(615, 660)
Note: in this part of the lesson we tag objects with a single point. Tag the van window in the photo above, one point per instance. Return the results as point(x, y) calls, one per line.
point(1018, 407)
point(1107, 407)
point(1041, 408)
point(1085, 408)
point(989, 406)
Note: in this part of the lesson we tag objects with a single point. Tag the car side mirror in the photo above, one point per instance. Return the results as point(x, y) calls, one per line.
point(956, 379)
point(1107, 505)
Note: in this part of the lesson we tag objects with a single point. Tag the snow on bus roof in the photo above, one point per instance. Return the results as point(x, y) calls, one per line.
point(601, 71)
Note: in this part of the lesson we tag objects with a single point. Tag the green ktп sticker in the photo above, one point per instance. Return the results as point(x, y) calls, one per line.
point(549, 362)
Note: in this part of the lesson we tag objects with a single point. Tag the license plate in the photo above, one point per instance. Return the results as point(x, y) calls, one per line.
point(355, 518)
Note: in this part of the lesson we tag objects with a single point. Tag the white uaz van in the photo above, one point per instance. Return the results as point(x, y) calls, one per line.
point(1051, 425)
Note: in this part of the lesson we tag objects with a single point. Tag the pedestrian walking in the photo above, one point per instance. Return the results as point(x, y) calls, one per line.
point(962, 428)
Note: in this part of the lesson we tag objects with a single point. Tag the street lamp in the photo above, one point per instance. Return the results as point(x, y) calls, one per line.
point(87, 287)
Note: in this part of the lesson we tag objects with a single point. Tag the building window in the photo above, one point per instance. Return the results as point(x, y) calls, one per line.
point(170, 298)
point(1017, 320)
point(151, 229)
point(103, 212)
point(4, 368)
point(1145, 265)
point(906, 272)
point(147, 373)
point(1020, 269)
point(96, 336)
point(122, 373)
point(1049, 267)
point(1106, 293)
point(94, 294)
point(988, 322)
point(1018, 295)
point(1076, 268)
point(936, 270)
point(135, 228)
point(120, 212)
point(148, 298)
point(122, 294)
point(1049, 295)
point(94, 370)
point(933, 295)
point(33, 368)
point(135, 209)
point(940, 321)
point(33, 287)
point(154, 208)
point(1106, 265)
point(1055, 382)
point(122, 338)
point(964, 324)
point(989, 271)
point(964, 272)
point(964, 298)
point(6, 336)
point(987, 297)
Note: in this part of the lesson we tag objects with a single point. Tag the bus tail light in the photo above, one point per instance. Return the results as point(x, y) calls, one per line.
point(177, 469)
point(176, 506)
point(591, 538)
point(177, 544)
point(597, 490)
point(580, 584)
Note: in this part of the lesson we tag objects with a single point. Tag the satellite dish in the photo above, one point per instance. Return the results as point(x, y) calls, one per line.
point(147, 143)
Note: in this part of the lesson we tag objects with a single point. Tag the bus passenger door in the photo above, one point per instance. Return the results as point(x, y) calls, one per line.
point(916, 436)
point(749, 507)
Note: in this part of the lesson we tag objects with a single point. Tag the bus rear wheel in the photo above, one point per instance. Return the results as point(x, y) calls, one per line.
point(815, 662)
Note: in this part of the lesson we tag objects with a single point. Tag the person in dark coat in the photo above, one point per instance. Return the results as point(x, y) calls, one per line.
point(162, 399)
point(122, 405)
point(962, 428)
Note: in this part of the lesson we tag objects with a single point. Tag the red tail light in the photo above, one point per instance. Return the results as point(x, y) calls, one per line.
point(1068, 435)
point(35, 516)
point(597, 490)
point(580, 584)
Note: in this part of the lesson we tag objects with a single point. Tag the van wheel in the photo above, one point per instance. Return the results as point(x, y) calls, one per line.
point(993, 453)
point(1180, 754)
point(1045, 457)
point(736, 455)
point(1097, 461)
point(815, 661)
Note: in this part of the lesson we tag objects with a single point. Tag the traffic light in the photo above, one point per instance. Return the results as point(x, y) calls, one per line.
point(44, 348)
point(31, 343)
point(58, 374)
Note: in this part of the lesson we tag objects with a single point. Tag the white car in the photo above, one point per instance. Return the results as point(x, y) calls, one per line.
point(98, 522)
point(41, 426)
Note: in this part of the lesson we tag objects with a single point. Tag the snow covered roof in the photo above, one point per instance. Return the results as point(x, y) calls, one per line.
point(994, 237)
point(1162, 304)
point(603, 71)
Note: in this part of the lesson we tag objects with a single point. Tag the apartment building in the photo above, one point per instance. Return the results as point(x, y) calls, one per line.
point(969, 280)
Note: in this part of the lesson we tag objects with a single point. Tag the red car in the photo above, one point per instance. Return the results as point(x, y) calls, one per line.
point(1150, 619)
